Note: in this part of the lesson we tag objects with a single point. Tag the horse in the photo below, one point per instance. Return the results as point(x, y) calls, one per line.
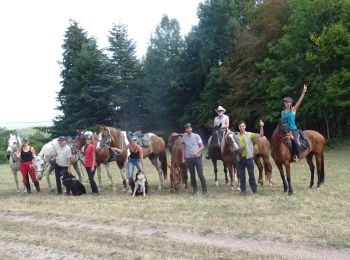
point(282, 155)
point(13, 148)
point(104, 153)
point(42, 161)
point(178, 169)
point(229, 148)
point(155, 150)
point(262, 153)
point(215, 153)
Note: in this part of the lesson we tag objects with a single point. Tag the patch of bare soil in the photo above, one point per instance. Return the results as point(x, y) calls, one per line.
point(290, 250)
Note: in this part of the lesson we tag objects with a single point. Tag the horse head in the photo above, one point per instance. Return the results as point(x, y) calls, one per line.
point(231, 144)
point(14, 144)
point(175, 177)
point(39, 166)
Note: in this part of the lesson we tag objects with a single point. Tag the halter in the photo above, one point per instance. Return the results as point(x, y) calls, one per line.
point(14, 149)
point(108, 142)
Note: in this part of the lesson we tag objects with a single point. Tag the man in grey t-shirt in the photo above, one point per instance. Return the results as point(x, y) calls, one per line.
point(193, 146)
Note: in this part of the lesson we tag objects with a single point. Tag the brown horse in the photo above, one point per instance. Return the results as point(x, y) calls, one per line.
point(262, 153)
point(229, 147)
point(105, 155)
point(283, 156)
point(178, 169)
point(155, 151)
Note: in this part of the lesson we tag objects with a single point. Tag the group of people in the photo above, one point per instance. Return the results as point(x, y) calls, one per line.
point(193, 147)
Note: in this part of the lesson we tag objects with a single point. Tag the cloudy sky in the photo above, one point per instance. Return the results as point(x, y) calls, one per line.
point(32, 34)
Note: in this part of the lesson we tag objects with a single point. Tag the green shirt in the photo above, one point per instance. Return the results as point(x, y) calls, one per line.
point(242, 143)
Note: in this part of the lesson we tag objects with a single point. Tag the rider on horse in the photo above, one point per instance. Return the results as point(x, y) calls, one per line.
point(222, 122)
point(288, 116)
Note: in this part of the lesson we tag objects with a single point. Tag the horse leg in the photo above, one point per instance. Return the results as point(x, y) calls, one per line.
point(320, 169)
point(280, 168)
point(260, 168)
point(290, 189)
point(122, 175)
point(77, 170)
point(99, 174)
point(225, 171)
point(157, 164)
point(230, 170)
point(312, 169)
point(110, 177)
point(215, 172)
point(268, 169)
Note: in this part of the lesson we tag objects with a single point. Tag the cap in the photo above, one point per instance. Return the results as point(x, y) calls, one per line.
point(62, 138)
point(188, 125)
point(25, 139)
point(134, 138)
point(288, 99)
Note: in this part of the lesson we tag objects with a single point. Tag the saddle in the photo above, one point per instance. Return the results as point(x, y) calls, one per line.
point(141, 138)
point(301, 141)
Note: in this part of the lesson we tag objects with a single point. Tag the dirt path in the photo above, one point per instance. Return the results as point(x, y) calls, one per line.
point(290, 250)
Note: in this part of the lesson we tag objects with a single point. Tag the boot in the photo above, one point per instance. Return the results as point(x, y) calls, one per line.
point(37, 186)
point(28, 187)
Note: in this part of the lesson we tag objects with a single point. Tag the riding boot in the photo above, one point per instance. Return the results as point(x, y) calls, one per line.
point(28, 187)
point(37, 186)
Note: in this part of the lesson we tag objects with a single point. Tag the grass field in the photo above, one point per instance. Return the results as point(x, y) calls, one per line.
point(311, 224)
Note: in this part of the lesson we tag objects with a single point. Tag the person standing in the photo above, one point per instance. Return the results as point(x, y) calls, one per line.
point(89, 150)
point(192, 149)
point(245, 160)
point(135, 159)
point(27, 166)
point(62, 159)
point(222, 122)
point(288, 116)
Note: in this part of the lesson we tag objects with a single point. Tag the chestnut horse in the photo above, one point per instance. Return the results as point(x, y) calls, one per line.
point(105, 155)
point(283, 156)
point(178, 169)
point(262, 153)
point(155, 151)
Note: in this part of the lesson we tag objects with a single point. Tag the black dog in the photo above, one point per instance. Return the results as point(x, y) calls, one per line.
point(73, 185)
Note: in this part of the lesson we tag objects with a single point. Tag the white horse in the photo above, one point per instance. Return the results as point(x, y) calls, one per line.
point(13, 148)
point(45, 168)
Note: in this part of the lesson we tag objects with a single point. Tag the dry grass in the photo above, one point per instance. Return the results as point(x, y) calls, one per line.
point(317, 217)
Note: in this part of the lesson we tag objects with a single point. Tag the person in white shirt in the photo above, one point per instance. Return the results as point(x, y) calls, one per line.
point(62, 159)
point(222, 122)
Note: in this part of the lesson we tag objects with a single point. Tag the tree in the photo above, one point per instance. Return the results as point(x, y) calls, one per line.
point(84, 97)
point(126, 79)
point(162, 70)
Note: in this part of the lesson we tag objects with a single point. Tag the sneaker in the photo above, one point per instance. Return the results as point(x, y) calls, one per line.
point(242, 193)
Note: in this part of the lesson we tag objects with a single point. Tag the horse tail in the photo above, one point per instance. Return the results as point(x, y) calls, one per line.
point(322, 175)
point(163, 163)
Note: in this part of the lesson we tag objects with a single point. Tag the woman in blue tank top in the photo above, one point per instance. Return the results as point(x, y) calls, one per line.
point(288, 116)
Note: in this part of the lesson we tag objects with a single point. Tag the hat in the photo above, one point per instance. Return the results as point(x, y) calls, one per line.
point(288, 99)
point(24, 139)
point(134, 138)
point(220, 108)
point(62, 138)
point(88, 136)
point(188, 125)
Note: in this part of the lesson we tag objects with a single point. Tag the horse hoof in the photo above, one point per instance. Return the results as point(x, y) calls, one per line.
point(216, 183)
point(239, 189)
point(232, 188)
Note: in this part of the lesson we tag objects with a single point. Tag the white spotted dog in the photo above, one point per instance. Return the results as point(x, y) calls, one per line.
point(141, 184)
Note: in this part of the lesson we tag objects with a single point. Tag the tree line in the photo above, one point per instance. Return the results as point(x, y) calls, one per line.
point(245, 55)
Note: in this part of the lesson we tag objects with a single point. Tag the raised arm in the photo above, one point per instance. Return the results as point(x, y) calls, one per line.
point(121, 150)
point(300, 99)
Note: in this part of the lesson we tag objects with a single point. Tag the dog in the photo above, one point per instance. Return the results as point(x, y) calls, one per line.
point(141, 184)
point(73, 185)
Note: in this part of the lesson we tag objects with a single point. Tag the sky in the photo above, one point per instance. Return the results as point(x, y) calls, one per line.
point(32, 33)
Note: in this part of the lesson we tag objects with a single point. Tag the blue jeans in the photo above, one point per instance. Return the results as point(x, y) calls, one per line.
point(131, 165)
point(249, 164)
point(196, 163)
